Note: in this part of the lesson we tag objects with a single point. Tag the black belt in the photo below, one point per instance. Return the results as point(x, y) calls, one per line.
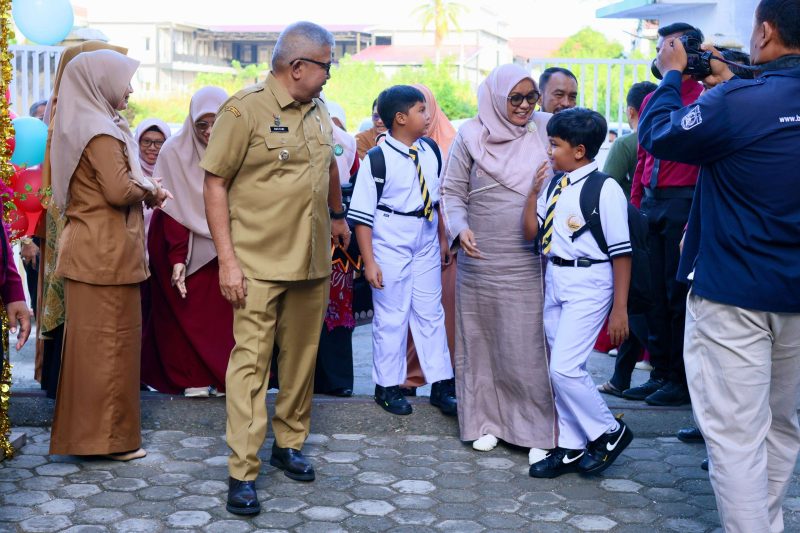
point(419, 213)
point(668, 193)
point(583, 262)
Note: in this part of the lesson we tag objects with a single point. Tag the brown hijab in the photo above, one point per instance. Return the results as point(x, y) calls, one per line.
point(50, 111)
point(94, 83)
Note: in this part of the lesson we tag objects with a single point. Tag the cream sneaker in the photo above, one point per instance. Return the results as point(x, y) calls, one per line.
point(486, 443)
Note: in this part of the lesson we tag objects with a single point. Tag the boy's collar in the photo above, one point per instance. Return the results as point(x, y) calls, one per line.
point(401, 146)
point(581, 172)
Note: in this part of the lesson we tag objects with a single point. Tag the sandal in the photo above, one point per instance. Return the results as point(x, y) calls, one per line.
point(608, 388)
point(126, 456)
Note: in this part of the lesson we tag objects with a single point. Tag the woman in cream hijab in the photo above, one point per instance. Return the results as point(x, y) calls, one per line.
point(98, 183)
point(189, 338)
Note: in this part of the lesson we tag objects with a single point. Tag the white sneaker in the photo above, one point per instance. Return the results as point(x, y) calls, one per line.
point(644, 365)
point(536, 455)
point(613, 352)
point(486, 443)
point(214, 392)
point(197, 392)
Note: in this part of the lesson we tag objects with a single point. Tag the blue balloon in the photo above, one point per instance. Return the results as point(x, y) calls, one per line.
point(30, 135)
point(45, 22)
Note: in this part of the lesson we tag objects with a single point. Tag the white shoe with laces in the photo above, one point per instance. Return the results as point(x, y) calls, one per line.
point(486, 443)
point(197, 392)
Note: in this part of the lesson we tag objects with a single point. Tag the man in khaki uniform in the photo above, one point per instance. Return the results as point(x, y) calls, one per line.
point(270, 181)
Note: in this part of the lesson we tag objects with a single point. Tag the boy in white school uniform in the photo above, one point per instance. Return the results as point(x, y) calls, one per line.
point(581, 284)
point(402, 242)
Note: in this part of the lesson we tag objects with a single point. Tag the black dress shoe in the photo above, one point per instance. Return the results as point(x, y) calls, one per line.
point(557, 462)
point(443, 396)
point(602, 452)
point(408, 391)
point(704, 464)
point(344, 392)
point(292, 462)
point(391, 399)
point(689, 435)
point(242, 497)
point(644, 390)
point(670, 395)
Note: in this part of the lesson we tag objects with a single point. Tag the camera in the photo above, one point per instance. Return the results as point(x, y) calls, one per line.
point(698, 63)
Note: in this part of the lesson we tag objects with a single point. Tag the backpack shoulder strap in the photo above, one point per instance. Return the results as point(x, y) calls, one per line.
point(435, 147)
point(377, 164)
point(590, 209)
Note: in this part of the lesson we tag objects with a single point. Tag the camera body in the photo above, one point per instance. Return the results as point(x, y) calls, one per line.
point(698, 64)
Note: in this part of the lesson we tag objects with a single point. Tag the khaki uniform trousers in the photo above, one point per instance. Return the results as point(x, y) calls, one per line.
point(291, 313)
point(743, 370)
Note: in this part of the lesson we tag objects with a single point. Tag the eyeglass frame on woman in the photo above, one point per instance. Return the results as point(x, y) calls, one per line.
point(147, 143)
point(532, 97)
point(202, 125)
point(324, 66)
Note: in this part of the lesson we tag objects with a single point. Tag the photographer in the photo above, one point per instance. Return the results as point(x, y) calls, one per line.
point(662, 187)
point(742, 249)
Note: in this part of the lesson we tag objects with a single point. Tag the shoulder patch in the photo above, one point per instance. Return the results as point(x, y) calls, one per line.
point(234, 110)
point(692, 119)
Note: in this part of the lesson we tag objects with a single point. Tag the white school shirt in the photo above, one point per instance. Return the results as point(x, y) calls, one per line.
point(401, 190)
point(568, 219)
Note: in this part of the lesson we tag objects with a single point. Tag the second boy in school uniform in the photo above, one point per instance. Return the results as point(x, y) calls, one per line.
point(581, 284)
point(403, 245)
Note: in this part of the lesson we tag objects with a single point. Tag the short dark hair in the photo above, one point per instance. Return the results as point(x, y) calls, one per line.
point(548, 73)
point(682, 28)
point(397, 99)
point(637, 92)
point(738, 57)
point(579, 126)
point(784, 15)
point(36, 105)
point(155, 129)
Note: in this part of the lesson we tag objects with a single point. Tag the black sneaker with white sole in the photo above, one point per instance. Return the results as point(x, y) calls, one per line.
point(558, 461)
point(601, 453)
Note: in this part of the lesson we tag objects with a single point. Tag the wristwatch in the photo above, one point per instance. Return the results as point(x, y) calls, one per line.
point(338, 216)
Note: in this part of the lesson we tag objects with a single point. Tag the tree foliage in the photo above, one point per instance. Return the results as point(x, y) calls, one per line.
point(444, 15)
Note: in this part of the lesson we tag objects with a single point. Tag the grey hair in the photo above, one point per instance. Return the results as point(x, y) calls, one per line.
point(299, 40)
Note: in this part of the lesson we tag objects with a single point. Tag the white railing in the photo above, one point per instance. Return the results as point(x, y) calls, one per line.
point(34, 70)
point(602, 83)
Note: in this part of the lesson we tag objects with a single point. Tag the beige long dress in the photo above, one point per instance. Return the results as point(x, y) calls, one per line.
point(501, 367)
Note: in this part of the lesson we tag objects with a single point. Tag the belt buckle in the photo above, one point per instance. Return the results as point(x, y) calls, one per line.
point(583, 262)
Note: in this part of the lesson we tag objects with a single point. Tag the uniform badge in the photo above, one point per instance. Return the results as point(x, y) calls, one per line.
point(276, 119)
point(692, 118)
point(283, 155)
point(232, 109)
point(338, 150)
point(574, 223)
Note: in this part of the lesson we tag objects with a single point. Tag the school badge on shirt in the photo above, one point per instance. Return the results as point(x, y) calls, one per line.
point(574, 223)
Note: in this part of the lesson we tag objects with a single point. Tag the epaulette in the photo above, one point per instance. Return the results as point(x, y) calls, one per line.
point(249, 90)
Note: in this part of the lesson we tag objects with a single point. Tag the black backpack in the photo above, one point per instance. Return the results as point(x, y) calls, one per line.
point(640, 294)
point(377, 163)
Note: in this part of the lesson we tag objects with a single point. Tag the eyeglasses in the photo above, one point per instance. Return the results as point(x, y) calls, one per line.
point(147, 143)
point(516, 98)
point(324, 66)
point(376, 116)
point(202, 126)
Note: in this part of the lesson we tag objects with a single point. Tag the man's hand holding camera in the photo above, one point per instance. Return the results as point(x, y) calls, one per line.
point(672, 56)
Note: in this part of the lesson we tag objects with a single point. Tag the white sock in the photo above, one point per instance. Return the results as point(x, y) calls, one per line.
point(615, 428)
point(486, 443)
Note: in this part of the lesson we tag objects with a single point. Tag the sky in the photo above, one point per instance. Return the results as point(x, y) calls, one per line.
point(525, 18)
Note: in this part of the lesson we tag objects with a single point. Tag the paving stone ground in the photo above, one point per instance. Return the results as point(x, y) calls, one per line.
point(403, 484)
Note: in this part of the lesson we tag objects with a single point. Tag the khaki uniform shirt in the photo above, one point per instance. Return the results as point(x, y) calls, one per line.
point(275, 154)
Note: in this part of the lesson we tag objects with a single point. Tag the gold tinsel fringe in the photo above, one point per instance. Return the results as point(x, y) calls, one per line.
point(6, 171)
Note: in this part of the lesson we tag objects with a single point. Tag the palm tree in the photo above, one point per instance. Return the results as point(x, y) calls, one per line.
point(444, 15)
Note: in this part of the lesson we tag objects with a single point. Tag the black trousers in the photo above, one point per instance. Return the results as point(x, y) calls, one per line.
point(667, 218)
point(629, 352)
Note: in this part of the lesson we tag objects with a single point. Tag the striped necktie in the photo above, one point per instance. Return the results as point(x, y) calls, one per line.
point(547, 229)
point(427, 207)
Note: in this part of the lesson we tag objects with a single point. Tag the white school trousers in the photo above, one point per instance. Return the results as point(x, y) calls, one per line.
point(576, 303)
point(743, 370)
point(407, 251)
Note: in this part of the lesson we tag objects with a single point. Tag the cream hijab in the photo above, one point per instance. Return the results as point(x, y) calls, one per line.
point(178, 165)
point(510, 154)
point(50, 111)
point(344, 148)
point(143, 126)
point(94, 84)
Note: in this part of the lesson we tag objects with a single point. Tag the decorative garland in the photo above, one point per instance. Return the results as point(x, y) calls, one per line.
point(6, 171)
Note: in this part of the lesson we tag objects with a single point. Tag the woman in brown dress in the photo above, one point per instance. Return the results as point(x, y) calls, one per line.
point(98, 183)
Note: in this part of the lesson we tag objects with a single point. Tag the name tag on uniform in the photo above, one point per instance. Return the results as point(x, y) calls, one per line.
point(279, 129)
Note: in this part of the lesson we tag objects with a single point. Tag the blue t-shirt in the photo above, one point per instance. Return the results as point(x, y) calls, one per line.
point(743, 237)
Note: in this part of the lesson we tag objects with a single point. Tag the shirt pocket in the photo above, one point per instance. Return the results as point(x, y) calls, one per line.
point(284, 154)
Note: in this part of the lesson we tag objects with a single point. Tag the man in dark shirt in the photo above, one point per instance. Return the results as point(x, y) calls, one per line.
point(742, 250)
point(663, 190)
